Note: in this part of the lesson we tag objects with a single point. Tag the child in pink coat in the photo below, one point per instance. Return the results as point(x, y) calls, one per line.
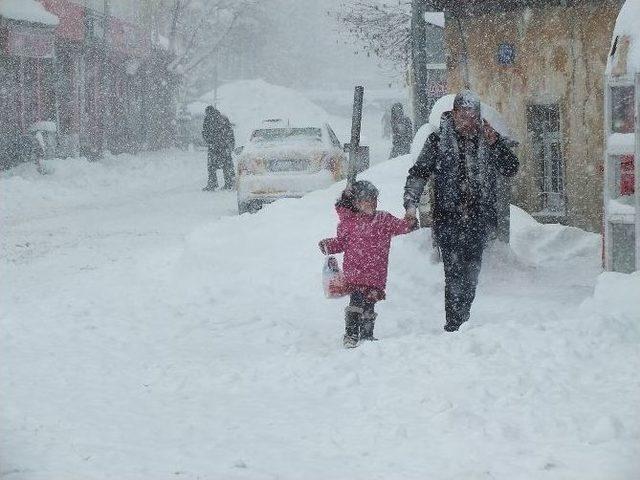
point(364, 235)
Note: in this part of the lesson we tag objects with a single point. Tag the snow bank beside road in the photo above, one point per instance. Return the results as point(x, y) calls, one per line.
point(217, 355)
point(521, 386)
point(618, 294)
point(77, 181)
point(248, 102)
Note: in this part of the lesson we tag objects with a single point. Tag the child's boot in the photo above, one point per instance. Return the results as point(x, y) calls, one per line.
point(366, 329)
point(352, 320)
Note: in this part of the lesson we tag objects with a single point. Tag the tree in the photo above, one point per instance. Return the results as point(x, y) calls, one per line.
point(198, 32)
point(383, 29)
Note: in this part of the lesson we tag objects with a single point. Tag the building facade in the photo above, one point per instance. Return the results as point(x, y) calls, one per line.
point(93, 72)
point(27, 67)
point(541, 63)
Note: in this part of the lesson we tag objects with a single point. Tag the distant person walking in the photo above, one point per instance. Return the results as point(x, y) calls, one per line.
point(218, 135)
point(401, 131)
point(464, 158)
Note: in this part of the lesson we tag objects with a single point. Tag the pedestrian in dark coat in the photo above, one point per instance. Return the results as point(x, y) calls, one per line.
point(218, 135)
point(401, 132)
point(464, 157)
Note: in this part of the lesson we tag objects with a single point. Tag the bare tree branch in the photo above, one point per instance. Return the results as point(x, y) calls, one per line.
point(382, 29)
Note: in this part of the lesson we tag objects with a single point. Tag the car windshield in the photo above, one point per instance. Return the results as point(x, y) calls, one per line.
point(280, 135)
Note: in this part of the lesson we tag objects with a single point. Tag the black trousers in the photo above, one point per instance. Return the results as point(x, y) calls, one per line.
point(461, 245)
point(215, 160)
point(461, 272)
point(359, 300)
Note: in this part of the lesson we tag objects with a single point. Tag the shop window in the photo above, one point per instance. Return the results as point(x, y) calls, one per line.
point(622, 109)
point(544, 127)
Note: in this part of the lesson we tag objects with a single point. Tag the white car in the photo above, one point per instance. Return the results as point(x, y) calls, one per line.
point(282, 161)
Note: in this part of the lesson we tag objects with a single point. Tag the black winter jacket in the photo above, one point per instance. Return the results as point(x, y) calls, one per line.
point(218, 133)
point(451, 197)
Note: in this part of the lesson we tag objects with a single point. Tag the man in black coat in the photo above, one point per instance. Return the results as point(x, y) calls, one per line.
point(218, 134)
point(401, 132)
point(464, 157)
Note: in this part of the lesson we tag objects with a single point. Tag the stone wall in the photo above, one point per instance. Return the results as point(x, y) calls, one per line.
point(560, 57)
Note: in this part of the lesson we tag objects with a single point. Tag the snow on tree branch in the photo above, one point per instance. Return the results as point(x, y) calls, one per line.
point(383, 29)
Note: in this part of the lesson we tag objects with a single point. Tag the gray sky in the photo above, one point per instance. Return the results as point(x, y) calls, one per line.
point(314, 53)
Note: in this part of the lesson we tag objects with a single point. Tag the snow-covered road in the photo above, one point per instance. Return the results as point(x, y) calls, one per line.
point(148, 332)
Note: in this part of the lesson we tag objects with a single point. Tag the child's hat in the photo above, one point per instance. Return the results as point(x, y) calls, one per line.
point(363, 189)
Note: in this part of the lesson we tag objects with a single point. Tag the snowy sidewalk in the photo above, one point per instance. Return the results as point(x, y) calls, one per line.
point(132, 352)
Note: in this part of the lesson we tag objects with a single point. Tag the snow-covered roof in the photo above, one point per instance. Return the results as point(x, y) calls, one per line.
point(435, 18)
point(27, 11)
point(625, 58)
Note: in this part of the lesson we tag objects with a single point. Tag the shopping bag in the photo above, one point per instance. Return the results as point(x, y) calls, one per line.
point(333, 281)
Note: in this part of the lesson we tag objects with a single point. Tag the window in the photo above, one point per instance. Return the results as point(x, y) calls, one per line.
point(622, 109)
point(544, 127)
point(286, 134)
point(623, 255)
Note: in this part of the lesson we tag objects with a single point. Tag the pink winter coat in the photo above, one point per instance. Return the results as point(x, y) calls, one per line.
point(365, 241)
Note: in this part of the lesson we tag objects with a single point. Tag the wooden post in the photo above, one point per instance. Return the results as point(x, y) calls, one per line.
point(356, 124)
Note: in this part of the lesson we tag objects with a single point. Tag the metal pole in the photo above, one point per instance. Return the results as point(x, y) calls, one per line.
point(419, 62)
point(356, 124)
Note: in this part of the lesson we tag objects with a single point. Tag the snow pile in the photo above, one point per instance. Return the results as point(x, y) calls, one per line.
point(130, 351)
point(516, 378)
point(248, 102)
point(627, 26)
point(549, 243)
point(27, 11)
point(616, 295)
point(76, 181)
point(420, 138)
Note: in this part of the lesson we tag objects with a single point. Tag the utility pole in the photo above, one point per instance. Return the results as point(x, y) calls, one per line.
point(356, 124)
point(419, 61)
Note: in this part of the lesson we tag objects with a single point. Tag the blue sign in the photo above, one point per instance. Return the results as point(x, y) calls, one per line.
point(506, 54)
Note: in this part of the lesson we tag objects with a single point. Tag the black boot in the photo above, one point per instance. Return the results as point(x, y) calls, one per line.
point(368, 323)
point(352, 320)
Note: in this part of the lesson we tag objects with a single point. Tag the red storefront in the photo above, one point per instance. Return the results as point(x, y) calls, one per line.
point(99, 86)
point(26, 70)
point(70, 36)
point(128, 49)
point(26, 81)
